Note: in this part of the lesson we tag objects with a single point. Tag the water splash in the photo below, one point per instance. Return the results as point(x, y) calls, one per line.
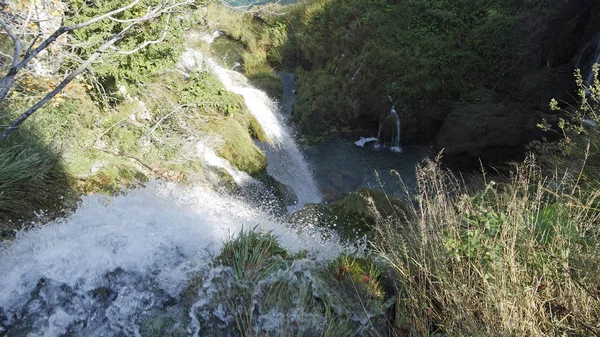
point(119, 258)
point(363, 141)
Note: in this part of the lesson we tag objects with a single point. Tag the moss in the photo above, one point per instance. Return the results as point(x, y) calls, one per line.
point(355, 216)
point(237, 146)
point(262, 35)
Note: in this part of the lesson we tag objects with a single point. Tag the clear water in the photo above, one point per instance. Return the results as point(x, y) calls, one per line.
point(340, 165)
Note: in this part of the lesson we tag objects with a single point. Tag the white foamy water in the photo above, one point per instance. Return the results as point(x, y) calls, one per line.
point(363, 141)
point(158, 235)
point(286, 162)
point(210, 158)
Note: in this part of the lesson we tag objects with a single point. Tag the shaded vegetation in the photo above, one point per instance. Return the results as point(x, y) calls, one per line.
point(427, 56)
point(265, 290)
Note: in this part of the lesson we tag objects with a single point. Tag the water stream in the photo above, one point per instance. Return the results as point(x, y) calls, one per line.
point(142, 263)
point(116, 260)
point(286, 162)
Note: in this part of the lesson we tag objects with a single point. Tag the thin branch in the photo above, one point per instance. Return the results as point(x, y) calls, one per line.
point(17, 122)
point(146, 43)
point(27, 20)
point(16, 41)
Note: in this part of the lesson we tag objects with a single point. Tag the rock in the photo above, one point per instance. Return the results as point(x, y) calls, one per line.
point(489, 126)
point(332, 195)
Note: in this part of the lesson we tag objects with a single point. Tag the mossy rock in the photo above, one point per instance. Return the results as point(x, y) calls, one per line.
point(355, 215)
point(486, 125)
point(358, 283)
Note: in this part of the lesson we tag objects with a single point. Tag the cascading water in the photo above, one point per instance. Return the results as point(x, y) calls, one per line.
point(396, 137)
point(286, 162)
point(395, 144)
point(124, 265)
point(589, 80)
point(117, 261)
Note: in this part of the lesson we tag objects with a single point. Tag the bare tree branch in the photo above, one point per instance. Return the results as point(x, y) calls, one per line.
point(18, 63)
point(16, 41)
point(17, 122)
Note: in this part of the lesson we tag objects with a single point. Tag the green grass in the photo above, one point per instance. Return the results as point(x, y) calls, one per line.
point(516, 257)
point(33, 180)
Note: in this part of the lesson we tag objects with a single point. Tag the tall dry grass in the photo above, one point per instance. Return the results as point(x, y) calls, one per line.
point(520, 258)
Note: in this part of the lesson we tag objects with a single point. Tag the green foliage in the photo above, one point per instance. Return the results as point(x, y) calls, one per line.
point(425, 54)
point(141, 65)
point(515, 258)
point(577, 149)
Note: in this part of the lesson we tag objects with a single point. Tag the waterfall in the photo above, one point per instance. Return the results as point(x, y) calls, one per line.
point(396, 137)
point(596, 59)
point(395, 143)
point(122, 263)
point(285, 161)
point(118, 259)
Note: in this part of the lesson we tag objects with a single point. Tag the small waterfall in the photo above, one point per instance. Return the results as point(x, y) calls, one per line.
point(395, 143)
point(286, 162)
point(396, 137)
point(596, 59)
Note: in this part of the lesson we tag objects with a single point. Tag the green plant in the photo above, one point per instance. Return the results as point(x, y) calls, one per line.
point(512, 259)
point(251, 254)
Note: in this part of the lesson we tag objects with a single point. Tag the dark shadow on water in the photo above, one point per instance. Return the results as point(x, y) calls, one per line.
point(339, 165)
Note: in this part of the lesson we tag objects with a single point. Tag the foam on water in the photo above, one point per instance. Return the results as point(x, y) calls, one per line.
point(363, 141)
point(163, 232)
